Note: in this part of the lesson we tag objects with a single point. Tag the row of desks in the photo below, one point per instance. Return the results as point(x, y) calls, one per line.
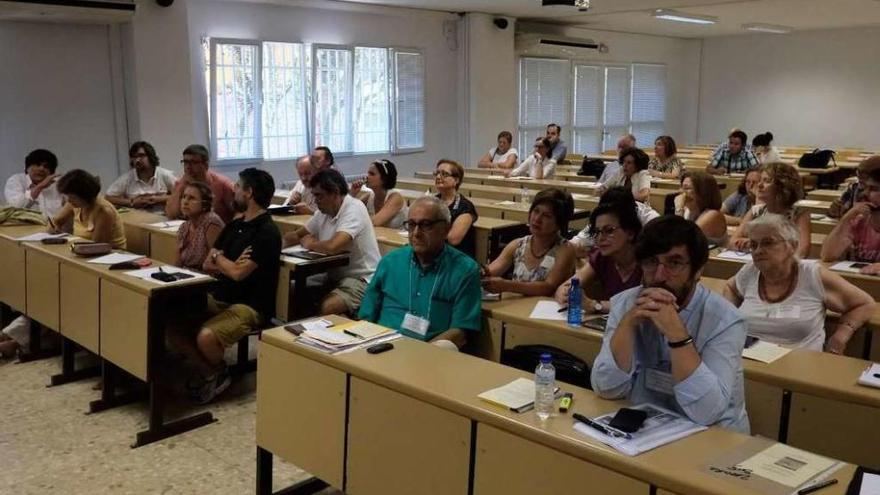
point(410, 421)
point(115, 316)
point(792, 399)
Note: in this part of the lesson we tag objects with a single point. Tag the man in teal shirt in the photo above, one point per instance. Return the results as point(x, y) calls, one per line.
point(427, 290)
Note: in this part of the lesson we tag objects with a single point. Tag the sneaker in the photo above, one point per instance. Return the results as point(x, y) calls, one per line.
point(213, 387)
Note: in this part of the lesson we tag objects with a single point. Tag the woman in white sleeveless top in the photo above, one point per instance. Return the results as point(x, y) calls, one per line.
point(784, 299)
point(541, 260)
point(385, 204)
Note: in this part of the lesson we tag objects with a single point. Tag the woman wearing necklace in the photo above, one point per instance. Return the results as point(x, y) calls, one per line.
point(448, 176)
point(614, 226)
point(540, 260)
point(385, 204)
point(784, 298)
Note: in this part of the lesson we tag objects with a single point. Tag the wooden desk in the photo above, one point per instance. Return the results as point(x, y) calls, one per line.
point(469, 189)
point(13, 290)
point(411, 408)
point(770, 388)
point(825, 194)
point(814, 206)
point(117, 316)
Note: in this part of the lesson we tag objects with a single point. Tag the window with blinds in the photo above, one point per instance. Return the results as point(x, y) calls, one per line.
point(648, 102)
point(594, 103)
point(273, 101)
point(409, 101)
point(545, 97)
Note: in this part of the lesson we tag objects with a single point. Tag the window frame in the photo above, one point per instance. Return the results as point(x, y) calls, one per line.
point(393, 100)
point(258, 103)
point(306, 104)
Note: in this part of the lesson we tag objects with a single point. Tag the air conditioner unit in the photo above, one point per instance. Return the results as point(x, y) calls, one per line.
point(103, 11)
point(537, 42)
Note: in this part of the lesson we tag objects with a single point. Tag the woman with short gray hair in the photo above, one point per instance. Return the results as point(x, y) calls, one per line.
point(784, 298)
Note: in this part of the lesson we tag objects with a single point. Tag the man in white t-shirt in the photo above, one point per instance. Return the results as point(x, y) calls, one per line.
point(146, 185)
point(35, 187)
point(341, 224)
point(301, 196)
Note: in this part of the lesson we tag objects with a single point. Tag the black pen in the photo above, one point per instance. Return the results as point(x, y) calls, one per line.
point(817, 487)
point(346, 332)
point(876, 375)
point(563, 309)
point(596, 426)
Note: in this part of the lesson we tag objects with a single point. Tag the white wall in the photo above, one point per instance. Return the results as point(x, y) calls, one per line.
point(490, 83)
point(56, 92)
point(681, 57)
point(385, 27)
point(810, 88)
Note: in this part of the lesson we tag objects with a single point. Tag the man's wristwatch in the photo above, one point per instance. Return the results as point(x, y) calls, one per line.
point(680, 343)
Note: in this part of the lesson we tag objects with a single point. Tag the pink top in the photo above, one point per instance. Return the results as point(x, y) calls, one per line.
point(609, 277)
point(224, 192)
point(191, 242)
point(865, 240)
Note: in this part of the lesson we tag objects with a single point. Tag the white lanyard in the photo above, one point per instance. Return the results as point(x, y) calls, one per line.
point(433, 288)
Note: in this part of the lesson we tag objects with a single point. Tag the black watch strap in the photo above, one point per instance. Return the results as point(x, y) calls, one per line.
point(680, 343)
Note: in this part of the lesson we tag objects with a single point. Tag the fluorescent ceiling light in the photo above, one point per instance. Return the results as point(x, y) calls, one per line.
point(673, 15)
point(767, 28)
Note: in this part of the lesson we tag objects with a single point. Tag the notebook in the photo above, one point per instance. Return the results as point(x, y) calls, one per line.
point(871, 376)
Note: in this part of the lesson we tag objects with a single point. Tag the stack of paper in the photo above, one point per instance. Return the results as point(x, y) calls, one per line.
point(661, 427)
point(113, 258)
point(346, 337)
point(169, 226)
point(764, 352)
point(39, 236)
point(871, 376)
point(518, 395)
point(548, 310)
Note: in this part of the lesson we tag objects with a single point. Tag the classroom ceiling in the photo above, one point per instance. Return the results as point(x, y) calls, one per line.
point(634, 16)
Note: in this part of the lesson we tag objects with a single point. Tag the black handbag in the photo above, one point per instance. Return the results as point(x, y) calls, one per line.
point(591, 166)
point(817, 159)
point(569, 369)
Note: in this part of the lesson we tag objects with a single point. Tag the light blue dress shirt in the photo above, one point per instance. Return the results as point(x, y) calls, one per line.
point(611, 169)
point(712, 394)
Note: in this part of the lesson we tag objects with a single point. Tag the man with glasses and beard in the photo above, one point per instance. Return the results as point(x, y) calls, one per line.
point(672, 342)
point(428, 290)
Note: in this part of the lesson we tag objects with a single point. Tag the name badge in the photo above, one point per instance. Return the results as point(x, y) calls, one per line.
point(416, 324)
point(786, 312)
point(659, 381)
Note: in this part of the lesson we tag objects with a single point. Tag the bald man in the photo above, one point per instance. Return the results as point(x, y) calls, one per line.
point(625, 142)
point(301, 195)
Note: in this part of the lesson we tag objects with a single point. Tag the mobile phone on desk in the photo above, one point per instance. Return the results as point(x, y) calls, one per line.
point(380, 348)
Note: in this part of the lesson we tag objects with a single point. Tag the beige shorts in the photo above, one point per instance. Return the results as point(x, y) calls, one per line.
point(350, 290)
point(230, 322)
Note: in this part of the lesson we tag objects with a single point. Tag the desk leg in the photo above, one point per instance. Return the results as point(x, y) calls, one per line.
point(159, 429)
point(69, 373)
point(35, 347)
point(109, 399)
point(307, 486)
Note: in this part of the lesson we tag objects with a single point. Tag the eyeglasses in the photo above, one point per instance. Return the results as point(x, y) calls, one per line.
point(443, 174)
point(673, 266)
point(604, 231)
point(425, 225)
point(763, 244)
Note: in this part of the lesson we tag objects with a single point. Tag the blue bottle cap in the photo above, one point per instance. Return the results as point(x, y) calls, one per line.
point(545, 357)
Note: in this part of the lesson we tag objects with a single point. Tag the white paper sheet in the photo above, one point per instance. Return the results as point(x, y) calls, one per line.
point(870, 484)
point(548, 310)
point(786, 465)
point(293, 249)
point(168, 224)
point(319, 324)
point(505, 203)
point(113, 258)
point(809, 202)
point(868, 379)
point(765, 352)
point(734, 255)
point(848, 266)
point(39, 236)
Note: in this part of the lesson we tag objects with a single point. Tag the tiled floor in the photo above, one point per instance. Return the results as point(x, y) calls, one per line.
point(48, 444)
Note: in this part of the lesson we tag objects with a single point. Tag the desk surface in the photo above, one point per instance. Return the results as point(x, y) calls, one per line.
point(424, 372)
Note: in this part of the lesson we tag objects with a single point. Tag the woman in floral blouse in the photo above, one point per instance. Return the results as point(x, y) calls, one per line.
point(665, 164)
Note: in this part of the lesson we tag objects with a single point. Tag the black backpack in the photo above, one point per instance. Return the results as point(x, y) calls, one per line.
point(569, 369)
point(817, 159)
point(592, 166)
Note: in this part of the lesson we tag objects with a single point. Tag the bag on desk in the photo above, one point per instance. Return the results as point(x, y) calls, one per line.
point(817, 159)
point(592, 166)
point(569, 369)
point(91, 248)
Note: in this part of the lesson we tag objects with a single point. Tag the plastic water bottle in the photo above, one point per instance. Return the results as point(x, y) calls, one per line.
point(545, 387)
point(574, 303)
point(525, 196)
